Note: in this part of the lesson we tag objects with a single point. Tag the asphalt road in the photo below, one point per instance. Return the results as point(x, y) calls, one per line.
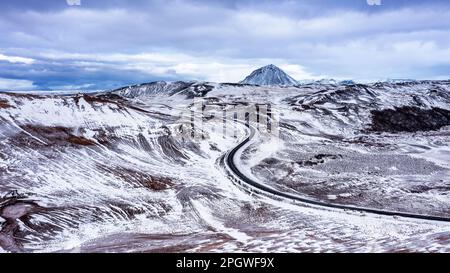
point(257, 187)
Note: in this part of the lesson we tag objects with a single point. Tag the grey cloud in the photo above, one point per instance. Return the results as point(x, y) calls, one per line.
point(324, 37)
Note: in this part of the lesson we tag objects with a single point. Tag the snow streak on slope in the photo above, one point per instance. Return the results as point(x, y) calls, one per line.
point(118, 171)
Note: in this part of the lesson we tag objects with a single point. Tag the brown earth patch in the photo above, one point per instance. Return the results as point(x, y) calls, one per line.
point(57, 134)
point(92, 99)
point(159, 183)
point(4, 104)
point(80, 140)
point(140, 179)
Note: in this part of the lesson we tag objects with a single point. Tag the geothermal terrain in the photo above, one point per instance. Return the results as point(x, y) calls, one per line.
point(149, 168)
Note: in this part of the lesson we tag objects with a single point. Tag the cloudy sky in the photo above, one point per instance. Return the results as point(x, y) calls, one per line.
point(103, 44)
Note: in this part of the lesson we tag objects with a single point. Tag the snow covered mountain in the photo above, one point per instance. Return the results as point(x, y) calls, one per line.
point(189, 89)
point(269, 75)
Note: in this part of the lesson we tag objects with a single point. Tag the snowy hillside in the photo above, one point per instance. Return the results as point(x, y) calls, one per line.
point(120, 171)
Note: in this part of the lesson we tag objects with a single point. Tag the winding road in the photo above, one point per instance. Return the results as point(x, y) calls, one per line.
point(254, 186)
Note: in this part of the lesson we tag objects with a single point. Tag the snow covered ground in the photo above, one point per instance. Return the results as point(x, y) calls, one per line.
point(120, 171)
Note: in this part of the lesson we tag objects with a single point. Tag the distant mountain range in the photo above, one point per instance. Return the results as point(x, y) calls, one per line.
point(269, 75)
point(272, 75)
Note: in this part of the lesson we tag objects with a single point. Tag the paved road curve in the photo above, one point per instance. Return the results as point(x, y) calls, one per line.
point(229, 161)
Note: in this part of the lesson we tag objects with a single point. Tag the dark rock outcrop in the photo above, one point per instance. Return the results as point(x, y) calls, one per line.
point(409, 119)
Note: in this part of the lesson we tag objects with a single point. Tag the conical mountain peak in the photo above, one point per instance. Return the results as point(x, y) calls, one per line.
point(269, 75)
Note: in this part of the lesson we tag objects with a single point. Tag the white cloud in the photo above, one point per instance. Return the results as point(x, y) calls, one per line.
point(86, 86)
point(15, 59)
point(299, 73)
point(176, 64)
point(13, 84)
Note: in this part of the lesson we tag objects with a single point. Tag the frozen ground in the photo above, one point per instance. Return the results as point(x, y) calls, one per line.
point(121, 172)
